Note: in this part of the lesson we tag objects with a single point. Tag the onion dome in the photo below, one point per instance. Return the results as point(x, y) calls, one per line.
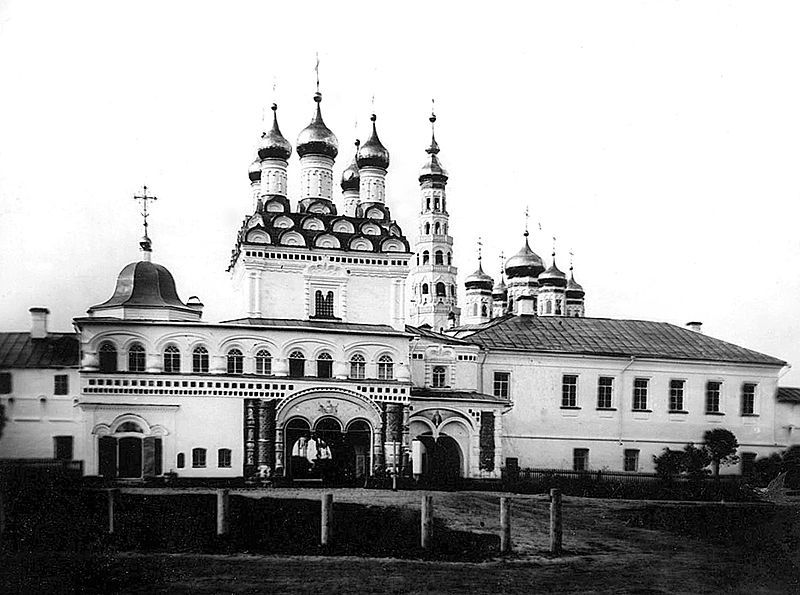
point(499, 291)
point(372, 153)
point(479, 280)
point(255, 171)
point(574, 289)
point(316, 138)
point(432, 165)
point(273, 145)
point(144, 284)
point(525, 263)
point(553, 276)
point(351, 179)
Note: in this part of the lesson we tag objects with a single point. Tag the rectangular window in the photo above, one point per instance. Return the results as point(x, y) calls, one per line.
point(502, 384)
point(748, 463)
point(640, 394)
point(224, 457)
point(748, 399)
point(676, 395)
point(62, 448)
point(580, 459)
point(631, 460)
point(569, 390)
point(198, 457)
point(605, 389)
point(61, 384)
point(713, 390)
point(5, 383)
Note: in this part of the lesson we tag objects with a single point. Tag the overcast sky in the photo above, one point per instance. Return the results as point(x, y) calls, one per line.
point(658, 140)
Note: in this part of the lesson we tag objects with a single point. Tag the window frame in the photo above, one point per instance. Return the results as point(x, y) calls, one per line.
point(171, 357)
point(677, 395)
point(718, 409)
point(326, 359)
point(609, 396)
point(263, 362)
point(61, 384)
point(137, 357)
point(6, 383)
point(750, 409)
point(439, 376)
point(199, 458)
point(358, 366)
point(224, 458)
point(497, 384)
point(584, 458)
point(234, 361)
point(385, 367)
point(200, 359)
point(302, 359)
point(105, 364)
point(639, 396)
point(569, 391)
point(626, 454)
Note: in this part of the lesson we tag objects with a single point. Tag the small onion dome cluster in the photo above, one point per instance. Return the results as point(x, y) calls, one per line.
point(350, 176)
point(316, 138)
point(479, 280)
point(432, 165)
point(525, 263)
point(273, 145)
point(553, 276)
point(372, 153)
point(574, 289)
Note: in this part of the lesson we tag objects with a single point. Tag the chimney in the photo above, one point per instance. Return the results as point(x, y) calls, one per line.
point(525, 305)
point(695, 326)
point(39, 322)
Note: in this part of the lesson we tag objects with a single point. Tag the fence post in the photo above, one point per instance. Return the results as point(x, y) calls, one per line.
point(112, 497)
point(223, 505)
point(426, 517)
point(327, 519)
point(555, 521)
point(505, 525)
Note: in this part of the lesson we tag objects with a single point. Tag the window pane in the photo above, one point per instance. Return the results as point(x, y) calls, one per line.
point(605, 389)
point(569, 391)
point(580, 459)
point(640, 393)
point(502, 383)
point(61, 384)
point(712, 397)
point(676, 395)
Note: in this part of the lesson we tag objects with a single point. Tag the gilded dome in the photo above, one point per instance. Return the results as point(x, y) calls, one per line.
point(316, 138)
point(350, 176)
point(525, 263)
point(255, 171)
point(273, 145)
point(479, 280)
point(553, 276)
point(372, 153)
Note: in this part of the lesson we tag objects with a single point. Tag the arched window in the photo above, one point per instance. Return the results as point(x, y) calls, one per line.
point(385, 368)
point(440, 290)
point(108, 358)
point(198, 457)
point(437, 229)
point(474, 309)
point(324, 365)
point(357, 366)
point(435, 203)
point(483, 310)
point(426, 257)
point(323, 305)
point(424, 289)
point(548, 307)
point(235, 362)
point(136, 358)
point(417, 259)
point(428, 204)
point(438, 257)
point(181, 460)
point(510, 304)
point(438, 379)
point(452, 290)
point(427, 228)
point(263, 362)
point(444, 228)
point(224, 457)
point(200, 359)
point(172, 359)
point(297, 364)
point(558, 306)
point(449, 258)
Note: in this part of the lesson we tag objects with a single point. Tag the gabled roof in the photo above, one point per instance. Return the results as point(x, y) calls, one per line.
point(616, 338)
point(788, 394)
point(57, 350)
point(434, 336)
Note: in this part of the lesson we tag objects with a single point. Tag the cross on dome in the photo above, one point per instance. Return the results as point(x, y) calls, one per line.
point(145, 243)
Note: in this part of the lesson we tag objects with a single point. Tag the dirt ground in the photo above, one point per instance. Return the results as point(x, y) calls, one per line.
point(610, 546)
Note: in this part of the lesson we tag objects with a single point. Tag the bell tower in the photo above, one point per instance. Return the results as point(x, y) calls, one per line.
point(433, 278)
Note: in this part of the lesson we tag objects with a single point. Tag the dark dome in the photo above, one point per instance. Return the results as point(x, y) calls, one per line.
point(351, 179)
point(499, 290)
point(273, 145)
point(479, 280)
point(255, 171)
point(144, 284)
point(316, 138)
point(553, 276)
point(432, 165)
point(525, 263)
point(372, 153)
point(574, 289)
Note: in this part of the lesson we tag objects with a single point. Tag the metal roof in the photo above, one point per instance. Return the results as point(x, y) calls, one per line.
point(788, 394)
point(460, 395)
point(57, 350)
point(433, 335)
point(332, 325)
point(616, 338)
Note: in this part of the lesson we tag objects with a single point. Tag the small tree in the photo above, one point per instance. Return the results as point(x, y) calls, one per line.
point(669, 464)
point(721, 445)
point(696, 461)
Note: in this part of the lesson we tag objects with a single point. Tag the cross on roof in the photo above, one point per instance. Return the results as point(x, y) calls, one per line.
point(144, 197)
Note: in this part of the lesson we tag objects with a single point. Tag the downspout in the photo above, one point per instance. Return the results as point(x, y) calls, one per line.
point(622, 384)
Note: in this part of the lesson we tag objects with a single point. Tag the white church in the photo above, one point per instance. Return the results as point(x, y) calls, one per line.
point(352, 357)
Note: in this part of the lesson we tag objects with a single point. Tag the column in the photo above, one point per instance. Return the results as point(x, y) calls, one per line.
point(498, 443)
point(279, 465)
point(250, 431)
point(269, 422)
point(406, 462)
